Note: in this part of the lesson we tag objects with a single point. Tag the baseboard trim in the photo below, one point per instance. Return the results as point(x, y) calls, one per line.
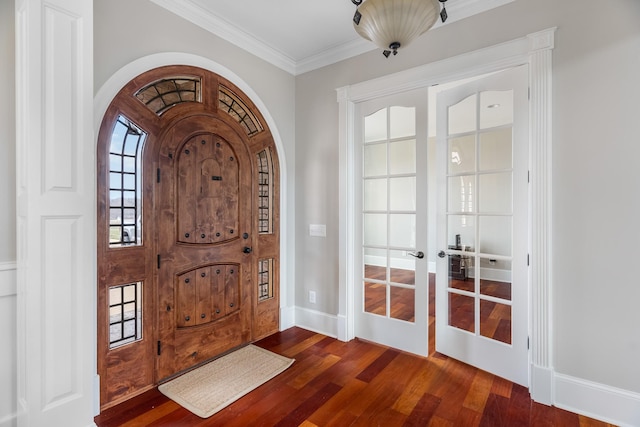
point(317, 321)
point(542, 385)
point(599, 401)
point(287, 317)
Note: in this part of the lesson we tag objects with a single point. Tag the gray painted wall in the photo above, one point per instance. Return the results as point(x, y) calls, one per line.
point(7, 134)
point(595, 181)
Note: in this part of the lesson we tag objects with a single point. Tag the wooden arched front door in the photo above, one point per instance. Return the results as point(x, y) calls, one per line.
point(188, 228)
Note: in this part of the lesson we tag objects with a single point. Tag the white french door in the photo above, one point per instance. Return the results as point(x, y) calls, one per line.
point(391, 278)
point(482, 224)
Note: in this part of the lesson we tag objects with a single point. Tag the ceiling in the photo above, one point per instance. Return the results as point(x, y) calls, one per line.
point(294, 35)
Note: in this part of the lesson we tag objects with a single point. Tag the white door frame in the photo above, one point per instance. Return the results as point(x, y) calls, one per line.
point(533, 49)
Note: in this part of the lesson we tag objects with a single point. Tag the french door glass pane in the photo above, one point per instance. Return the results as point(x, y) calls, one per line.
point(375, 263)
point(402, 157)
point(402, 229)
point(375, 160)
point(462, 312)
point(495, 235)
point(375, 194)
point(375, 126)
point(464, 227)
point(495, 321)
point(462, 116)
point(402, 194)
point(402, 122)
point(461, 193)
point(495, 193)
point(495, 278)
point(403, 268)
point(462, 154)
point(375, 229)
point(402, 303)
point(375, 298)
point(496, 150)
point(496, 108)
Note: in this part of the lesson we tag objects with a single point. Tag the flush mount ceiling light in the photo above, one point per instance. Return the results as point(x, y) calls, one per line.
point(392, 24)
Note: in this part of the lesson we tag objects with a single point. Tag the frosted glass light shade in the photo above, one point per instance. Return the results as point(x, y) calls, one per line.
point(389, 23)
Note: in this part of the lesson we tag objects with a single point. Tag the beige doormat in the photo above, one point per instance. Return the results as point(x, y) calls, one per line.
point(211, 387)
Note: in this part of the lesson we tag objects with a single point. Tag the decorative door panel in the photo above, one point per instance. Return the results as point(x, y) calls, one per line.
point(207, 191)
point(207, 294)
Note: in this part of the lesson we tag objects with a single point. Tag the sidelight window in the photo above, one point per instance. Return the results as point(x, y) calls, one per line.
point(125, 184)
point(265, 279)
point(265, 192)
point(125, 314)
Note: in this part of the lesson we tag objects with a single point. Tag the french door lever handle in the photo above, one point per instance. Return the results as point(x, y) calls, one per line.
point(418, 254)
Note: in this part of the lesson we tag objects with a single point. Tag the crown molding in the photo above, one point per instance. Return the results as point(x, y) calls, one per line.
point(225, 30)
point(216, 24)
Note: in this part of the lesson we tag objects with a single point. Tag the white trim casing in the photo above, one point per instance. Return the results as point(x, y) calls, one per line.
point(540, 67)
point(534, 50)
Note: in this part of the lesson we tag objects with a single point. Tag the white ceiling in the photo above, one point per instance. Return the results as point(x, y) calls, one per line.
point(295, 35)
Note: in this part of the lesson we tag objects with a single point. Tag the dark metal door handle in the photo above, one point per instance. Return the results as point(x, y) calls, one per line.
point(246, 250)
point(418, 254)
point(441, 254)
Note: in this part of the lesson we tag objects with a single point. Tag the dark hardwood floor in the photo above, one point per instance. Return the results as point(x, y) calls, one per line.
point(333, 383)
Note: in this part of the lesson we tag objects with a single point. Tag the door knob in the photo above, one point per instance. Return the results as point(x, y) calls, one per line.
point(441, 254)
point(246, 250)
point(418, 254)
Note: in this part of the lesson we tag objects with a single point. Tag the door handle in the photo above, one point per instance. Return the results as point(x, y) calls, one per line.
point(246, 250)
point(441, 254)
point(418, 254)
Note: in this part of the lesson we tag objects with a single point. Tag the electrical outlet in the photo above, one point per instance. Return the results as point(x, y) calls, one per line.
point(312, 297)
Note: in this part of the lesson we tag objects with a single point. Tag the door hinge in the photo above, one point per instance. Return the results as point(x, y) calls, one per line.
point(158, 261)
point(527, 260)
point(529, 93)
point(528, 343)
point(528, 176)
point(158, 175)
point(159, 348)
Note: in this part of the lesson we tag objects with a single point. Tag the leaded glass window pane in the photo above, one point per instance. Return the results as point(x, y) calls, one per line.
point(125, 184)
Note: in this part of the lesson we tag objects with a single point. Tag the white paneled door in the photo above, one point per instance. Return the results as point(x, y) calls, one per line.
point(56, 212)
point(391, 278)
point(482, 239)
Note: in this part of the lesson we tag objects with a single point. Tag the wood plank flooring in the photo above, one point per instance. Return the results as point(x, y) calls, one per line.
point(333, 383)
